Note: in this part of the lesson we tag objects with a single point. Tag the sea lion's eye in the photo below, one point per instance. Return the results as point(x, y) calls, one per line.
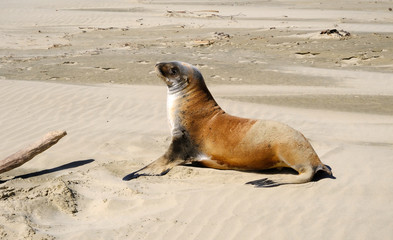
point(173, 71)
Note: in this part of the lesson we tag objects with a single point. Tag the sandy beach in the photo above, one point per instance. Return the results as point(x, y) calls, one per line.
point(88, 68)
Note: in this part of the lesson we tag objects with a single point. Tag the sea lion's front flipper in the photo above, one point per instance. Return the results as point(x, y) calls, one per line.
point(179, 152)
point(159, 167)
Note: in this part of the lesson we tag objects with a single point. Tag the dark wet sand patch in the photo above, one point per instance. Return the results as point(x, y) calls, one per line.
point(348, 103)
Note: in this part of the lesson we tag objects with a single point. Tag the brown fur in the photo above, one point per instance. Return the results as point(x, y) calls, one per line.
point(202, 132)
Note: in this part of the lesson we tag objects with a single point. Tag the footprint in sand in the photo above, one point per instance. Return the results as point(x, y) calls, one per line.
point(70, 63)
point(106, 68)
point(143, 62)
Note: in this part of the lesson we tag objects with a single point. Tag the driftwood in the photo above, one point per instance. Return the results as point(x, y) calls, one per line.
point(17, 159)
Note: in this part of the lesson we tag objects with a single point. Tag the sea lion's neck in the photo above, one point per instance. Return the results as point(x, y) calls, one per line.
point(195, 98)
point(190, 104)
point(177, 88)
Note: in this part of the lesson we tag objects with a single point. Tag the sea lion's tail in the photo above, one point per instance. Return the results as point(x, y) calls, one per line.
point(325, 168)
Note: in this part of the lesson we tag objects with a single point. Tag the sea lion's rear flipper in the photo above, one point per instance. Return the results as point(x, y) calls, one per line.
point(264, 182)
point(305, 175)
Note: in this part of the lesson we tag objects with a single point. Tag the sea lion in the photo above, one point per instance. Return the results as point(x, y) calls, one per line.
point(203, 133)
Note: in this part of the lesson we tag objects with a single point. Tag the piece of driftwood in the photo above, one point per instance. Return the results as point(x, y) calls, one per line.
point(17, 159)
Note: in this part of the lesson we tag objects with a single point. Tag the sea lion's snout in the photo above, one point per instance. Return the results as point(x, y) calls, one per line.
point(169, 72)
point(158, 70)
point(161, 73)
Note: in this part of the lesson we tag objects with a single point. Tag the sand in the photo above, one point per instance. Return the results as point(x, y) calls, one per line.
point(87, 68)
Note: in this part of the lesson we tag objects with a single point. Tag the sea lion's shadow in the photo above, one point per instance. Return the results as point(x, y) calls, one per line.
point(52, 170)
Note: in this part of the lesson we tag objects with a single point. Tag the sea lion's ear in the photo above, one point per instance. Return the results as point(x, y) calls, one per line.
point(185, 78)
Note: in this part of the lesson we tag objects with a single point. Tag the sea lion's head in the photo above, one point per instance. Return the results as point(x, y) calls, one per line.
point(178, 75)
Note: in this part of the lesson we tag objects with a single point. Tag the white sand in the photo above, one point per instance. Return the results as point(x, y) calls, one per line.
point(116, 129)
